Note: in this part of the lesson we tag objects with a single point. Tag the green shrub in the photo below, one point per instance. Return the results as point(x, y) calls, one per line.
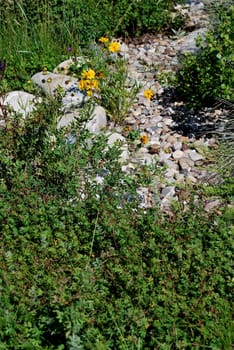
point(82, 267)
point(209, 74)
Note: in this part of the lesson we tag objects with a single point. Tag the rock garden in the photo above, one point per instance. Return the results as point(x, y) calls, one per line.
point(116, 186)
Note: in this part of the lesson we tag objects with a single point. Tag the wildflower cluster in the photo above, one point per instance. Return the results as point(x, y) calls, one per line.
point(112, 46)
point(89, 82)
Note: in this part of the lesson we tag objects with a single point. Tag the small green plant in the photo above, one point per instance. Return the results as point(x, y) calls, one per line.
point(209, 74)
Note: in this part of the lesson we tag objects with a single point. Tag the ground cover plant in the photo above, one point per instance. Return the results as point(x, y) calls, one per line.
point(81, 265)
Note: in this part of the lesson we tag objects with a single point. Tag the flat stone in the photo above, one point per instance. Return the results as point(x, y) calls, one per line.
point(130, 120)
point(171, 165)
point(177, 154)
point(168, 192)
point(171, 173)
point(191, 179)
point(185, 163)
point(212, 204)
point(163, 157)
point(194, 156)
point(154, 148)
point(177, 145)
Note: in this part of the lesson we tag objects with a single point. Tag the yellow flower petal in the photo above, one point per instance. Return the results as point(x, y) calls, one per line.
point(144, 139)
point(103, 40)
point(148, 94)
point(114, 47)
point(88, 74)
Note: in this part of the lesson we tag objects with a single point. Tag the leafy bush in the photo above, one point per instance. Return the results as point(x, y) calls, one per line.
point(82, 267)
point(209, 74)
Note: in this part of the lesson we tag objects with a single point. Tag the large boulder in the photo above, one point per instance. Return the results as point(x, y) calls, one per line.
point(64, 66)
point(50, 83)
point(95, 125)
point(19, 102)
point(189, 43)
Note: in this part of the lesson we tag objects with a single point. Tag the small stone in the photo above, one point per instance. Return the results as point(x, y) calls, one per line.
point(171, 173)
point(171, 165)
point(212, 204)
point(163, 157)
point(177, 154)
point(168, 192)
point(185, 163)
point(191, 179)
point(154, 149)
point(194, 156)
point(171, 139)
point(130, 120)
point(177, 146)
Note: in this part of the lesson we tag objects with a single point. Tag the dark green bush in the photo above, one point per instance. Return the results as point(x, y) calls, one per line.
point(209, 74)
point(81, 267)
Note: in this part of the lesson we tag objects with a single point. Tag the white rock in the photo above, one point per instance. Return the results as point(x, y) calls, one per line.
point(177, 145)
point(177, 154)
point(171, 165)
point(73, 98)
point(189, 44)
point(115, 137)
point(50, 82)
point(64, 66)
point(20, 102)
point(119, 139)
point(66, 119)
point(95, 125)
point(163, 157)
point(171, 173)
point(98, 121)
point(168, 192)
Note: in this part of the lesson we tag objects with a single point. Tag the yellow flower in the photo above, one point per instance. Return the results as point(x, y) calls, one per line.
point(88, 84)
point(103, 40)
point(49, 80)
point(94, 84)
point(114, 46)
point(88, 74)
point(144, 139)
point(81, 84)
point(127, 128)
point(148, 94)
point(89, 92)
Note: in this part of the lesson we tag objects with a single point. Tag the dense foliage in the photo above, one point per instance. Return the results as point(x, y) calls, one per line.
point(83, 267)
point(209, 74)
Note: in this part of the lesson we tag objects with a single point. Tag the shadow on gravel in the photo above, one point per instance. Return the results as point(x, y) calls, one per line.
point(215, 120)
